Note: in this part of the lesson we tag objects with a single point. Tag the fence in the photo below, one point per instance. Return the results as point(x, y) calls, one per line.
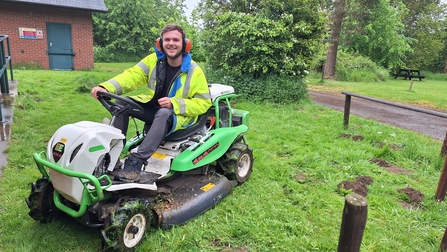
point(417, 109)
point(4, 60)
point(348, 106)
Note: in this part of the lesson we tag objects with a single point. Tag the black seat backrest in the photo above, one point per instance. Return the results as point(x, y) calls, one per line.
point(185, 133)
point(193, 129)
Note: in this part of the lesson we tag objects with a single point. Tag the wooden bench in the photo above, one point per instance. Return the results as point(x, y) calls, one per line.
point(409, 73)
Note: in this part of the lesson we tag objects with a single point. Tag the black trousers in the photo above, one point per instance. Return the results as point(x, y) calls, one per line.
point(160, 120)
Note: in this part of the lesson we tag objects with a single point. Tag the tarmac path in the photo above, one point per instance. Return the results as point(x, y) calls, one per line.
point(430, 125)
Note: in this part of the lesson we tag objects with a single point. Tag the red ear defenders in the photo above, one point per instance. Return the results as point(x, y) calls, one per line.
point(187, 44)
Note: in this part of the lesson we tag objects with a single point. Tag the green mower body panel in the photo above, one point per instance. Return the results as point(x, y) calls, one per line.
point(209, 151)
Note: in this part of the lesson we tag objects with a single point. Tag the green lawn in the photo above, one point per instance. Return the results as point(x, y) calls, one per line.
point(291, 201)
point(427, 93)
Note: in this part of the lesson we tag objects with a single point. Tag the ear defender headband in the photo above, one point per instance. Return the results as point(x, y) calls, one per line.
point(187, 44)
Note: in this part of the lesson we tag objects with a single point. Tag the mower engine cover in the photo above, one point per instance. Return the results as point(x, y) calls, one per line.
point(81, 147)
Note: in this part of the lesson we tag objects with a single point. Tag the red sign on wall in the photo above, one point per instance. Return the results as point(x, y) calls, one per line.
point(30, 33)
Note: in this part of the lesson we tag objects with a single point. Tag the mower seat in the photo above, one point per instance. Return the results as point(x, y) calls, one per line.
point(184, 133)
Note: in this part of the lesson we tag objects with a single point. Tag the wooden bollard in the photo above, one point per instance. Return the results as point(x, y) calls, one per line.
point(353, 223)
point(444, 146)
point(443, 246)
point(347, 111)
point(442, 184)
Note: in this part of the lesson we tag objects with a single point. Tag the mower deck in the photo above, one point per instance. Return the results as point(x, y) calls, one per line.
point(194, 194)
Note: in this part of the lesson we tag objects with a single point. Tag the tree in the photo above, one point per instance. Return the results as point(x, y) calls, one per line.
point(126, 28)
point(262, 37)
point(374, 29)
point(425, 23)
point(331, 58)
point(442, 59)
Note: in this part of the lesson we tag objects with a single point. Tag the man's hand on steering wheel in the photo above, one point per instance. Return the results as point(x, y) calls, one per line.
point(115, 108)
point(95, 91)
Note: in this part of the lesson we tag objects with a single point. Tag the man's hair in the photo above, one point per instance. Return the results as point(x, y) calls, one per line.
point(173, 27)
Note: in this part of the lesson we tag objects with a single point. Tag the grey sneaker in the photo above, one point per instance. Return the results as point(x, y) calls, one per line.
point(118, 165)
point(131, 171)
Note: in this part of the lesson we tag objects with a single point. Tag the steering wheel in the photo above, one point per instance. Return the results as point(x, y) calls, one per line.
point(117, 109)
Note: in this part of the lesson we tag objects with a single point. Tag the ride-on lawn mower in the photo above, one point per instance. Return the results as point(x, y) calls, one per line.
point(192, 170)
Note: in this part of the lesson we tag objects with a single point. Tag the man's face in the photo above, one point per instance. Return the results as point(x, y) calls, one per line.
point(172, 44)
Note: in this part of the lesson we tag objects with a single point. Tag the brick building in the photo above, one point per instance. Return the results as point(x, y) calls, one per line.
point(54, 34)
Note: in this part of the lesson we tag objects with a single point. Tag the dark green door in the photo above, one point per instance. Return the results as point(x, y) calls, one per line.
point(60, 50)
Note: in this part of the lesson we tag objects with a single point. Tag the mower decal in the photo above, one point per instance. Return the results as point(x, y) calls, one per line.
point(58, 151)
point(207, 187)
point(96, 148)
point(63, 140)
point(159, 155)
point(204, 154)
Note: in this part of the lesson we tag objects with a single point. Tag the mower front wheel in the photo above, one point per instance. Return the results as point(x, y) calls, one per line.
point(125, 228)
point(40, 201)
point(244, 165)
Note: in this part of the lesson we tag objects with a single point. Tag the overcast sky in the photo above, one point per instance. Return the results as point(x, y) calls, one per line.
point(190, 5)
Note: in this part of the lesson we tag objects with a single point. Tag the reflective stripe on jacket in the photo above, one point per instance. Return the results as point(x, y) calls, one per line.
point(189, 92)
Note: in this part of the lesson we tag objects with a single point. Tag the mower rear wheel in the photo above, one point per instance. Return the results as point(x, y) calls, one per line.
point(126, 227)
point(40, 201)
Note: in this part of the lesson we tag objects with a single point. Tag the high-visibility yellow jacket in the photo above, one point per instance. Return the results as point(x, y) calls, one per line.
point(189, 92)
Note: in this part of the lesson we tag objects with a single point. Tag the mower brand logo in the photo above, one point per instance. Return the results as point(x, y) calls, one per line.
point(203, 155)
point(58, 151)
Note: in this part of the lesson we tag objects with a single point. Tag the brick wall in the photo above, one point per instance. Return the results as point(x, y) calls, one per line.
point(13, 16)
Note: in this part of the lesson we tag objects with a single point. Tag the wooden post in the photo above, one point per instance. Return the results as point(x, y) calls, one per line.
point(353, 223)
point(347, 111)
point(444, 147)
point(411, 84)
point(443, 246)
point(442, 184)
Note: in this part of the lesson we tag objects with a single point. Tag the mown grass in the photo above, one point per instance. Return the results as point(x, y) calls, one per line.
point(426, 93)
point(290, 202)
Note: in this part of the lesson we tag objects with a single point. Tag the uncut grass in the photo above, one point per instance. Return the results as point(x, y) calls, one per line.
point(290, 202)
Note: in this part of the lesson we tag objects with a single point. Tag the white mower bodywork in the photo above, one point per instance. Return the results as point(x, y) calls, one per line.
point(83, 145)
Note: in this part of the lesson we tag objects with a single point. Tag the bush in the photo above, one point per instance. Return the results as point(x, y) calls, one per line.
point(271, 88)
point(357, 68)
point(434, 76)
